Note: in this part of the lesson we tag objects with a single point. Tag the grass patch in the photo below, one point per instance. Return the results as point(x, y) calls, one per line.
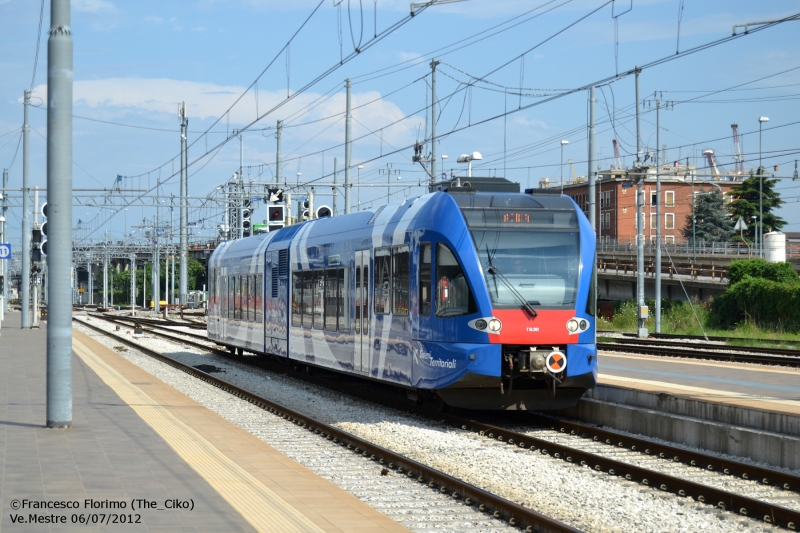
point(678, 318)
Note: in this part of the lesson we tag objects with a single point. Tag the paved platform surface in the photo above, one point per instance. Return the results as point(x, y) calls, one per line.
point(142, 452)
point(768, 388)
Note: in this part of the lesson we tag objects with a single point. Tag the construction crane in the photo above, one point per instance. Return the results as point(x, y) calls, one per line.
point(738, 157)
point(712, 164)
point(616, 154)
point(575, 177)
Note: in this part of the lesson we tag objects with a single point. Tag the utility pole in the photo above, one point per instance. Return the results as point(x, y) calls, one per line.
point(592, 201)
point(184, 231)
point(278, 132)
point(335, 194)
point(25, 296)
point(105, 271)
point(433, 120)
point(3, 264)
point(642, 314)
point(35, 264)
point(241, 187)
point(133, 284)
point(347, 149)
point(59, 209)
point(89, 279)
point(658, 218)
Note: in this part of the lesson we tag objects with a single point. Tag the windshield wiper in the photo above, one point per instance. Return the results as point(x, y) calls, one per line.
point(498, 275)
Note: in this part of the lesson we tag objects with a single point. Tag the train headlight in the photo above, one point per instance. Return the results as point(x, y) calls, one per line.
point(480, 323)
point(572, 325)
point(495, 325)
point(584, 324)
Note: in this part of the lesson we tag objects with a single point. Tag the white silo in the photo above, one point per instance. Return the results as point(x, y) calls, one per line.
point(775, 247)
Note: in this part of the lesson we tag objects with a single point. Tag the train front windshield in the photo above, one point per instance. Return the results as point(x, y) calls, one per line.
point(527, 254)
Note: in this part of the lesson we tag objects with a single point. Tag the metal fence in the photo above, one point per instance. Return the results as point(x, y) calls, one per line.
point(684, 248)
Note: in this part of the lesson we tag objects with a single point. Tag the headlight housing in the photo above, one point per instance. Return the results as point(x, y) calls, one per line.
point(572, 325)
point(495, 325)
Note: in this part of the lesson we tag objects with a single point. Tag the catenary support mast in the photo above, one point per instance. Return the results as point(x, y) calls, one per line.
point(59, 206)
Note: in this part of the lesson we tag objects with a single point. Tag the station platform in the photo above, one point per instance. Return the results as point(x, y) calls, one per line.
point(143, 454)
point(774, 389)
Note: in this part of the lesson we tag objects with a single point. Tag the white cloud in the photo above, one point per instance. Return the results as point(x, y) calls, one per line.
point(93, 6)
point(199, 28)
point(154, 20)
point(160, 97)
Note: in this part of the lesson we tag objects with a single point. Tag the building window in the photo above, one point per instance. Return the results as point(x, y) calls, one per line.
point(669, 221)
point(607, 195)
point(669, 199)
point(653, 198)
point(653, 221)
point(607, 221)
point(669, 239)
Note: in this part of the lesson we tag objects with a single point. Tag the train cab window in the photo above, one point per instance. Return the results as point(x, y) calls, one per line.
point(425, 268)
point(383, 281)
point(343, 299)
point(453, 297)
point(308, 300)
point(297, 299)
point(401, 270)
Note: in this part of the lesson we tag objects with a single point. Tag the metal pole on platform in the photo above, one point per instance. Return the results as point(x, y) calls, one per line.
point(59, 205)
point(592, 200)
point(348, 118)
point(105, 271)
point(658, 218)
point(25, 295)
point(184, 215)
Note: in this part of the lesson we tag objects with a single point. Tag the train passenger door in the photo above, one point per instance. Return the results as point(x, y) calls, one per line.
point(362, 312)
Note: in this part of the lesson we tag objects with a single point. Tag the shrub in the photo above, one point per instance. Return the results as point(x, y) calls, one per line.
point(759, 268)
point(764, 302)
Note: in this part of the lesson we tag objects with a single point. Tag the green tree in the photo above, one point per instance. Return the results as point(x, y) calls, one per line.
point(746, 205)
point(712, 222)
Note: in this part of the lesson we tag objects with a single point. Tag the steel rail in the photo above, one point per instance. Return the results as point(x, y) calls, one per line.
point(500, 508)
point(663, 350)
point(724, 500)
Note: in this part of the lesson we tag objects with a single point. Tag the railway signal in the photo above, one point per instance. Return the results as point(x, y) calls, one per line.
point(324, 211)
point(246, 223)
point(276, 216)
point(44, 229)
point(305, 212)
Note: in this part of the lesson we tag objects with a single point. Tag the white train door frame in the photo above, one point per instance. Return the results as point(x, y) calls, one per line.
point(361, 317)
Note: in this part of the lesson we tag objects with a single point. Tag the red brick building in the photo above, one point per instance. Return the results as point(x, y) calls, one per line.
point(616, 201)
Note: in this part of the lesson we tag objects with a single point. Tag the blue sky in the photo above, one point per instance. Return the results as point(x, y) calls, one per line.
point(135, 61)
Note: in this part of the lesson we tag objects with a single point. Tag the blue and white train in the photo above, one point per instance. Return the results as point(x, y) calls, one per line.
point(477, 300)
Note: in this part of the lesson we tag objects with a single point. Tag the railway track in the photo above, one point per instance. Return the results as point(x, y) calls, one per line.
point(699, 337)
point(514, 514)
point(598, 460)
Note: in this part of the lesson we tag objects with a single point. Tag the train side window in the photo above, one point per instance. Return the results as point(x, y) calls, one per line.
point(453, 297)
point(383, 281)
point(365, 306)
point(259, 298)
point(297, 299)
point(308, 300)
point(425, 269)
point(401, 270)
point(331, 300)
point(251, 298)
point(231, 297)
point(343, 299)
point(358, 300)
point(319, 296)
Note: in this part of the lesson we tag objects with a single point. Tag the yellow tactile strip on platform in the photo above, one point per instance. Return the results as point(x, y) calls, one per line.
point(257, 504)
